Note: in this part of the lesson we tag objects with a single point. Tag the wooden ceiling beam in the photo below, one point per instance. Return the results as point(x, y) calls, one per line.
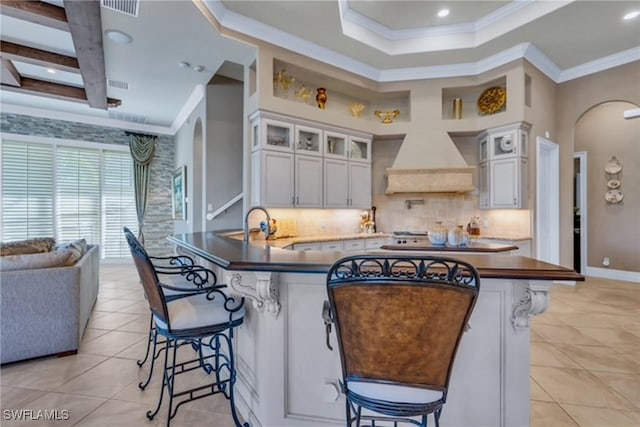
point(9, 75)
point(16, 52)
point(54, 90)
point(85, 25)
point(37, 12)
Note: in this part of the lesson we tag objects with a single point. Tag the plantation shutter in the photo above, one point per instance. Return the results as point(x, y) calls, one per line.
point(27, 190)
point(78, 194)
point(118, 203)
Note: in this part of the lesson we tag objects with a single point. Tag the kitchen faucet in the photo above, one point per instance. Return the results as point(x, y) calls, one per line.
point(246, 223)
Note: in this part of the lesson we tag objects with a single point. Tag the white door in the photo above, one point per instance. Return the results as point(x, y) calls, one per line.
point(360, 185)
point(336, 178)
point(277, 179)
point(504, 183)
point(547, 235)
point(308, 184)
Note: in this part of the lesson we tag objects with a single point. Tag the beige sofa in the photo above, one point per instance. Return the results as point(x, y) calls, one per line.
point(44, 311)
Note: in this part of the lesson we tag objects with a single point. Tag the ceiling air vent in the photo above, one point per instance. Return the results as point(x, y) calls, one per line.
point(118, 84)
point(128, 7)
point(134, 118)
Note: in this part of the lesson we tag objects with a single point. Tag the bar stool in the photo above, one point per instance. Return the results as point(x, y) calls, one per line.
point(200, 320)
point(399, 322)
point(179, 277)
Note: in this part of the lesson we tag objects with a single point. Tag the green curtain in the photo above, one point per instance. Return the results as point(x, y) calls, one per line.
point(142, 148)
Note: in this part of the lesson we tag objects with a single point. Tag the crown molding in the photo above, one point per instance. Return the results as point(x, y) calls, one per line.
point(442, 37)
point(260, 31)
point(86, 119)
point(197, 95)
point(600, 64)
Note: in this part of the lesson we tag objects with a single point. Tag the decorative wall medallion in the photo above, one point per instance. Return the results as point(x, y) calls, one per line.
point(613, 183)
point(613, 166)
point(613, 196)
point(492, 100)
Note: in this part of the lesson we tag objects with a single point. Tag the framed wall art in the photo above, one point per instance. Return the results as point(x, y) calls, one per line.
point(179, 193)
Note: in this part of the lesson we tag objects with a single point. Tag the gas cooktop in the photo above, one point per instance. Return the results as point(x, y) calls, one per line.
point(410, 237)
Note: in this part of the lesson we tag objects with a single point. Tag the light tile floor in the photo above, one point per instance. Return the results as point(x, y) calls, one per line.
point(585, 369)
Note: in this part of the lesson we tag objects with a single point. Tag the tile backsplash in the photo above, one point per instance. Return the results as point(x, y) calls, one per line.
point(313, 222)
point(393, 213)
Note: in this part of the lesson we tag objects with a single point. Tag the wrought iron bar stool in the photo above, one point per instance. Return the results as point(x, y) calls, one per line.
point(205, 321)
point(179, 277)
point(399, 322)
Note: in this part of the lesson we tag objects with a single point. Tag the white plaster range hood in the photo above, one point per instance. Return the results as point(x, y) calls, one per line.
point(429, 162)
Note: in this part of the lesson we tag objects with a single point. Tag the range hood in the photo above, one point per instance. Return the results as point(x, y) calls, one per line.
point(429, 163)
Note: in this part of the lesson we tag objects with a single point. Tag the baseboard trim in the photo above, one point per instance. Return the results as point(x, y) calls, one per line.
point(607, 273)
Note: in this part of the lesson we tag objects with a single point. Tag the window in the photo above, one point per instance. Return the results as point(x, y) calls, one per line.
point(68, 192)
point(118, 203)
point(27, 190)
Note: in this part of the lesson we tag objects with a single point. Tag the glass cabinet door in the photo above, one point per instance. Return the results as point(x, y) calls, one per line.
point(335, 144)
point(308, 140)
point(360, 149)
point(277, 135)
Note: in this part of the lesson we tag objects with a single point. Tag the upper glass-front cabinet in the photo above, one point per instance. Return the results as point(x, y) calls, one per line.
point(308, 140)
point(360, 149)
point(335, 144)
point(272, 134)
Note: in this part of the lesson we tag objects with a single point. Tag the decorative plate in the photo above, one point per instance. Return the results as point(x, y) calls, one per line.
point(613, 166)
point(613, 183)
point(492, 100)
point(506, 144)
point(613, 196)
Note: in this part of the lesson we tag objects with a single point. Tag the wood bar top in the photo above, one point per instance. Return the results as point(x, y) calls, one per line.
point(233, 254)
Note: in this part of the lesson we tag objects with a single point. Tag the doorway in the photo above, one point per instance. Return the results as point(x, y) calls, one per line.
point(580, 212)
point(547, 201)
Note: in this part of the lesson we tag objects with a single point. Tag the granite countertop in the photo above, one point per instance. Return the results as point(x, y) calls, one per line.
point(285, 242)
point(234, 254)
point(512, 237)
point(470, 247)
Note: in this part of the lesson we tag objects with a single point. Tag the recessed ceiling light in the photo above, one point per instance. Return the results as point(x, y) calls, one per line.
point(631, 15)
point(443, 12)
point(51, 71)
point(184, 64)
point(118, 36)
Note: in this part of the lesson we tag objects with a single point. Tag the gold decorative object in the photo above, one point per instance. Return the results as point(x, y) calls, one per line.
point(356, 109)
point(304, 93)
point(387, 116)
point(492, 100)
point(457, 108)
point(285, 81)
point(321, 98)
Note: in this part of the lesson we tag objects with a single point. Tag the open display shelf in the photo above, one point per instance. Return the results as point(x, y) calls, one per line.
point(300, 86)
point(470, 96)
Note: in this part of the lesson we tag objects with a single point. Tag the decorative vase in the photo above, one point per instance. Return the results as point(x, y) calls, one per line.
point(438, 234)
point(321, 97)
point(457, 108)
point(457, 236)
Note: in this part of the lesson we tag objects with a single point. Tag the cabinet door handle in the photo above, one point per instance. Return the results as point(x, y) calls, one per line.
point(297, 200)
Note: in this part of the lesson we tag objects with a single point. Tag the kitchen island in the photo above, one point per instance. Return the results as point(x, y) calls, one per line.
point(287, 377)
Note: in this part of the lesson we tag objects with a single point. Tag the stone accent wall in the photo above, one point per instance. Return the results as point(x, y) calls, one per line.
point(158, 220)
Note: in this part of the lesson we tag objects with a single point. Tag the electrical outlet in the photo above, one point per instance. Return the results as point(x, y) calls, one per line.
point(606, 261)
point(485, 223)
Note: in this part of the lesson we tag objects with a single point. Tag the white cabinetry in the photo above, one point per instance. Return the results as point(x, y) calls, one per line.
point(300, 164)
point(347, 173)
point(503, 167)
point(347, 184)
